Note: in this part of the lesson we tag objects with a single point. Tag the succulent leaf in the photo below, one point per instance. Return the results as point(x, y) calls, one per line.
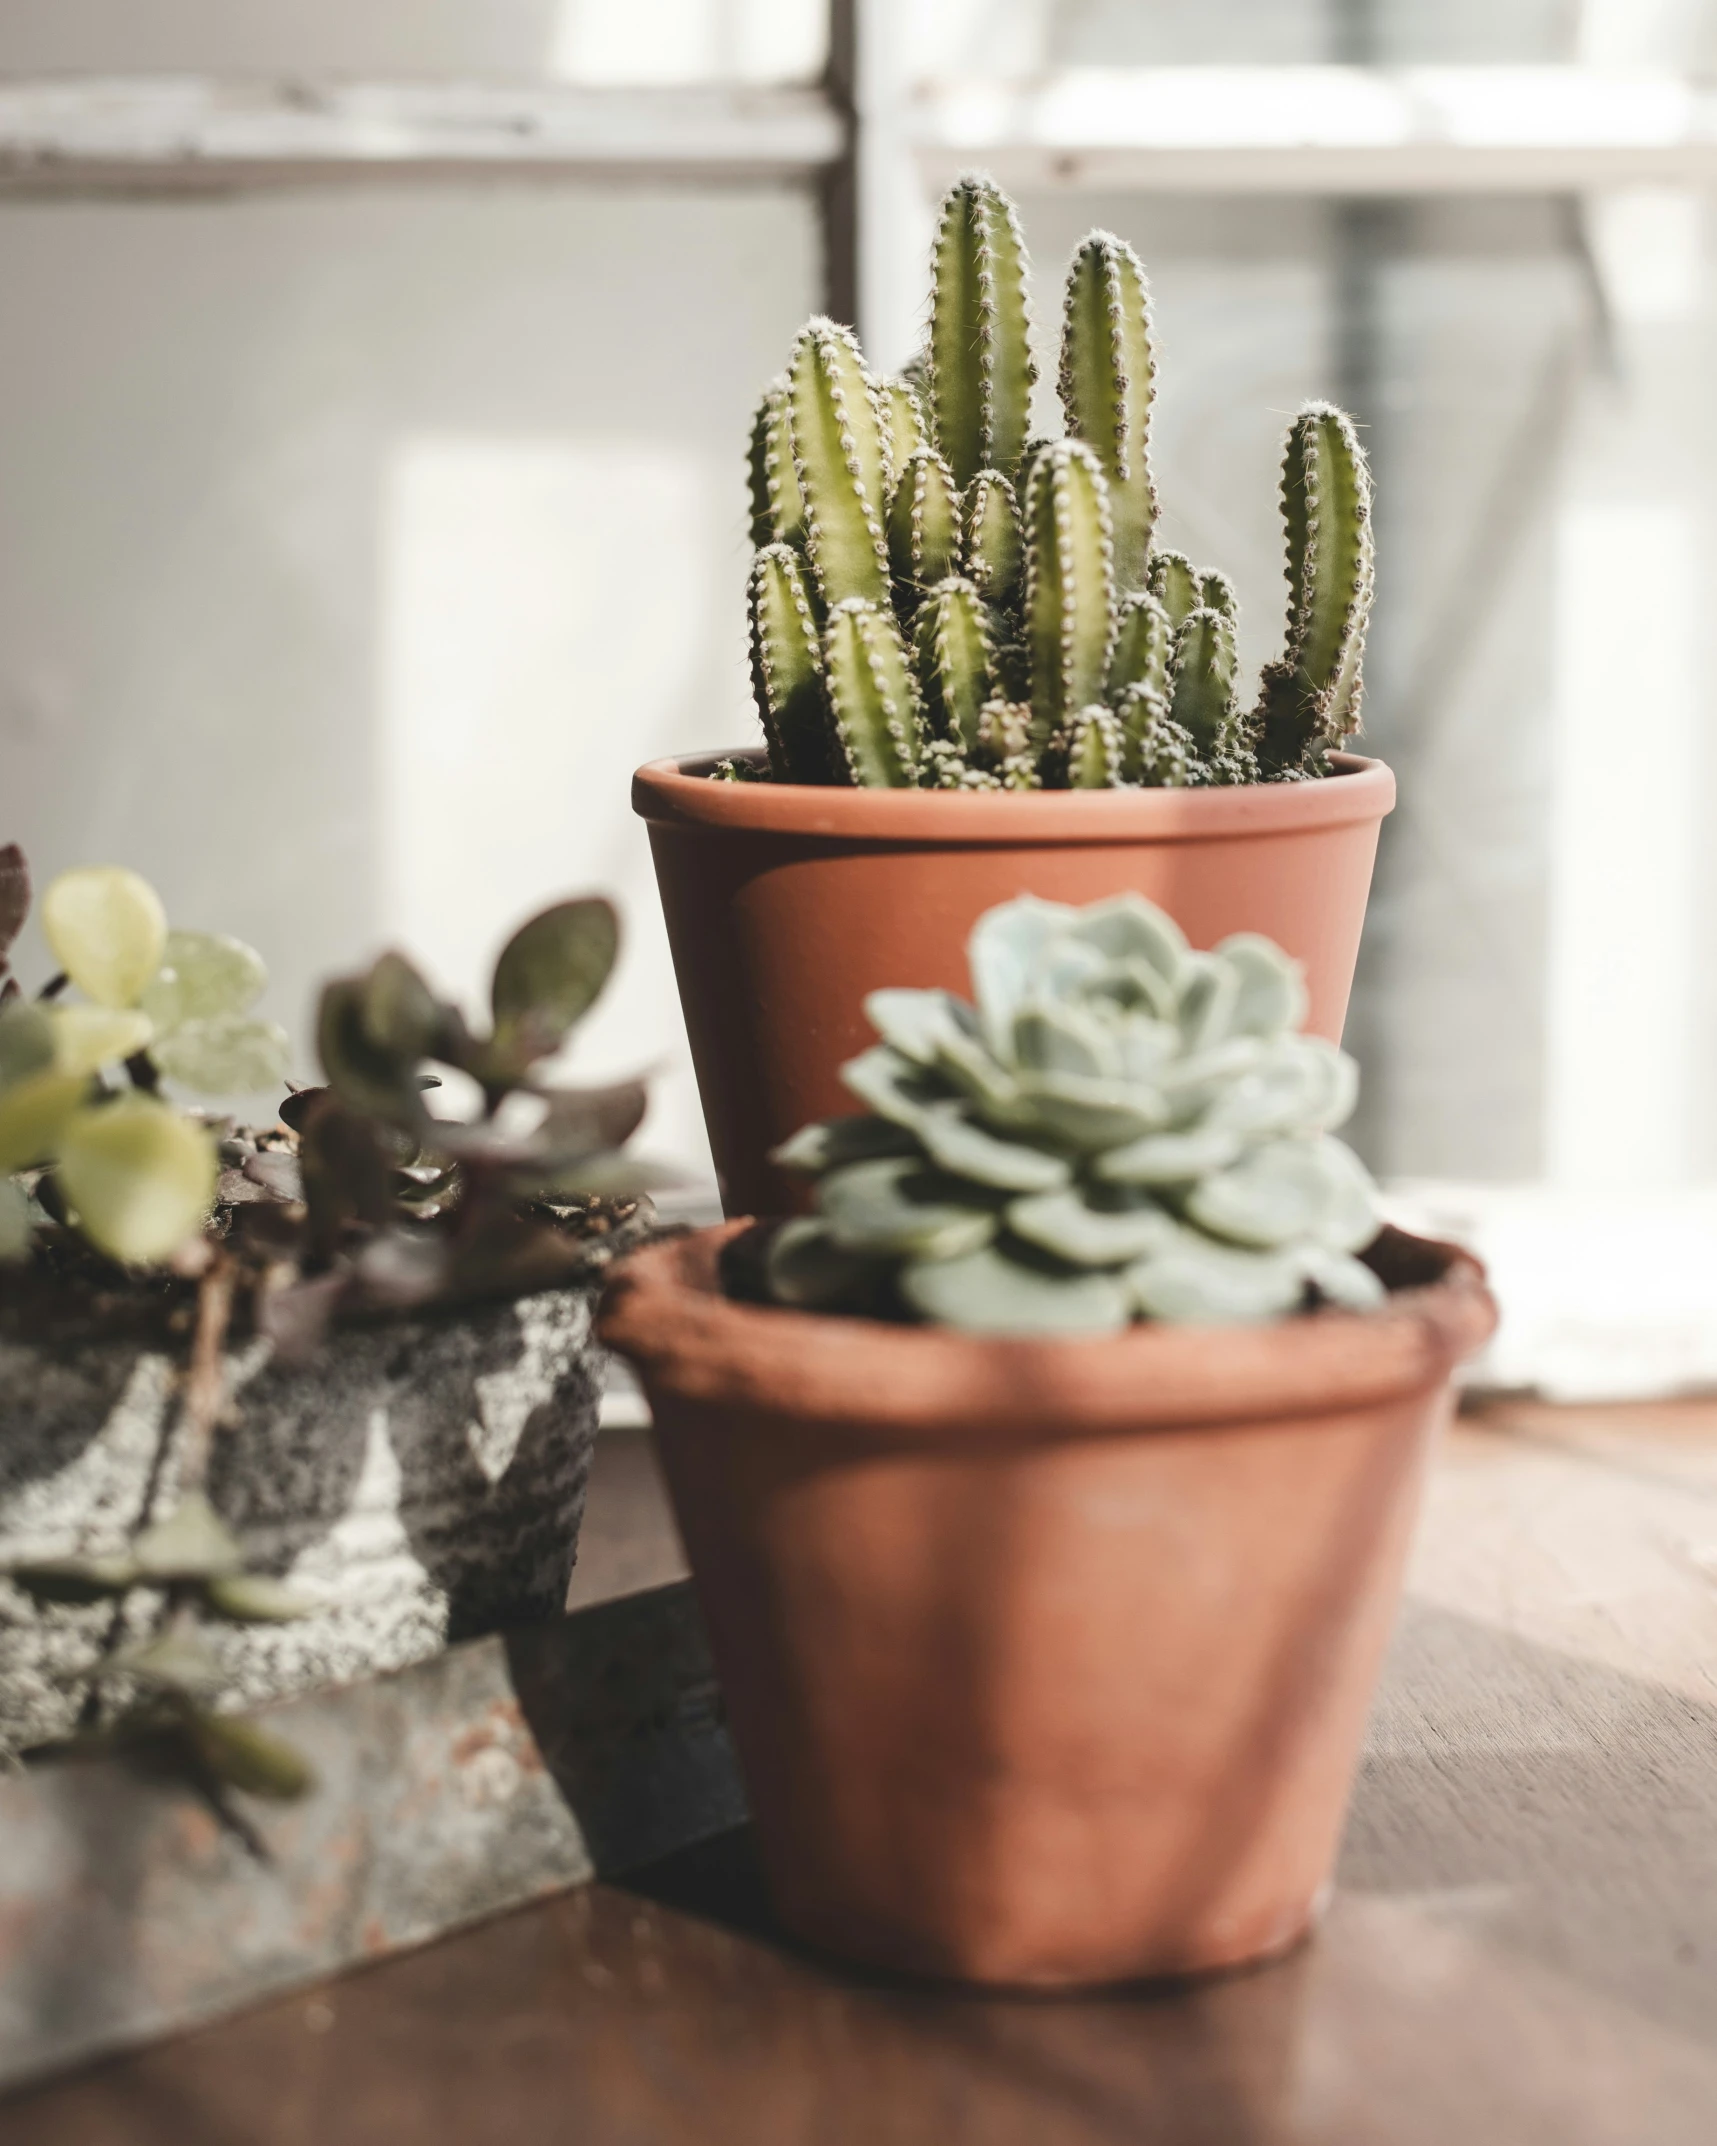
point(107, 930)
point(1201, 1284)
point(1068, 1225)
point(27, 1041)
point(817, 1148)
point(552, 971)
point(139, 1177)
point(86, 1038)
point(192, 1542)
point(203, 975)
point(980, 363)
point(226, 1054)
point(987, 1292)
point(1107, 380)
point(806, 1267)
point(899, 1208)
point(15, 1219)
point(248, 1758)
point(34, 1113)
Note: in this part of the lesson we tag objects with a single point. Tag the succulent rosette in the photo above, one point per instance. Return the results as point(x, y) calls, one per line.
point(1119, 1128)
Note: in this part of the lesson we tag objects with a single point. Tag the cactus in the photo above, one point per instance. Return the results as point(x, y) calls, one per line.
point(981, 370)
point(1309, 698)
point(1119, 1129)
point(841, 461)
point(787, 668)
point(1069, 580)
point(923, 525)
point(872, 695)
point(1023, 573)
point(1107, 380)
point(993, 540)
point(955, 661)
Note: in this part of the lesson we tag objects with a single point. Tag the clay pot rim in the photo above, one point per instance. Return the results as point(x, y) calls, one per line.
point(677, 793)
point(919, 1386)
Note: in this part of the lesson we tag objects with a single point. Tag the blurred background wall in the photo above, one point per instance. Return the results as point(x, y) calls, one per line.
point(358, 534)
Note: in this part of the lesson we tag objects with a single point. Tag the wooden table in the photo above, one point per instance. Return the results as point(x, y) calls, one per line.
point(1522, 1950)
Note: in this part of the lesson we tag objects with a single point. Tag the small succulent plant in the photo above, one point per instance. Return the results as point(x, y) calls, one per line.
point(86, 1135)
point(396, 1205)
point(939, 600)
point(1119, 1129)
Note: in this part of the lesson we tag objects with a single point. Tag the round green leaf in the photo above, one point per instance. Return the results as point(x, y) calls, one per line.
point(965, 1150)
point(552, 969)
point(192, 1543)
point(225, 1054)
point(1066, 1224)
point(1168, 1158)
point(76, 1579)
point(138, 1176)
point(826, 1146)
point(108, 931)
point(255, 1598)
point(806, 1268)
point(34, 1114)
point(203, 974)
point(1291, 1189)
point(988, 1292)
point(86, 1038)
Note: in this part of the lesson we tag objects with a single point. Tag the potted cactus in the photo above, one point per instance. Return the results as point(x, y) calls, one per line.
point(287, 1405)
point(978, 674)
point(1047, 1488)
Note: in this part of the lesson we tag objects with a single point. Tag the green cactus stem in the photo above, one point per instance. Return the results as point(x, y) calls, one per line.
point(1216, 593)
point(1143, 639)
point(1310, 697)
point(787, 668)
point(1108, 376)
point(873, 697)
point(1156, 751)
point(923, 527)
point(981, 367)
point(955, 661)
point(1201, 678)
point(841, 461)
point(1174, 583)
point(1069, 581)
point(994, 542)
point(904, 416)
point(777, 505)
point(1096, 750)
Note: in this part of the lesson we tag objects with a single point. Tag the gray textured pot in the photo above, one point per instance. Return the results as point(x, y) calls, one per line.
point(424, 1478)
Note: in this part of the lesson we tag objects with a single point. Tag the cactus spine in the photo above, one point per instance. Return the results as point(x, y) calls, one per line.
point(1069, 580)
point(872, 696)
point(1108, 377)
point(981, 367)
point(1310, 696)
point(841, 462)
point(938, 599)
point(787, 668)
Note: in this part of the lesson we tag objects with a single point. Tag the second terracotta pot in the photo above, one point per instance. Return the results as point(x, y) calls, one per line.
point(786, 904)
point(1047, 1660)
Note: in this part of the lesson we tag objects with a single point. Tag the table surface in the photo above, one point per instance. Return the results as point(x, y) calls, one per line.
point(1522, 1947)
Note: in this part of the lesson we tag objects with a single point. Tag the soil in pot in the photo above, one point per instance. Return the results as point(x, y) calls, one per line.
point(787, 903)
point(1047, 1661)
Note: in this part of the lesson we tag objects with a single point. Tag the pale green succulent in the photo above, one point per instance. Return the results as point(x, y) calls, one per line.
point(79, 1077)
point(1121, 1128)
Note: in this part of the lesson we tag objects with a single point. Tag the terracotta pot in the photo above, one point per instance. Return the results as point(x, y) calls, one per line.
point(1047, 1661)
point(786, 904)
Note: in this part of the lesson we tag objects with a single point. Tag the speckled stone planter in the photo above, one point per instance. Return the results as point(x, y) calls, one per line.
point(423, 1477)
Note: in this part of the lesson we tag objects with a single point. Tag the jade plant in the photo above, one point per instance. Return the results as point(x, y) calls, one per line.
point(1119, 1129)
point(364, 1200)
point(87, 1136)
point(939, 600)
